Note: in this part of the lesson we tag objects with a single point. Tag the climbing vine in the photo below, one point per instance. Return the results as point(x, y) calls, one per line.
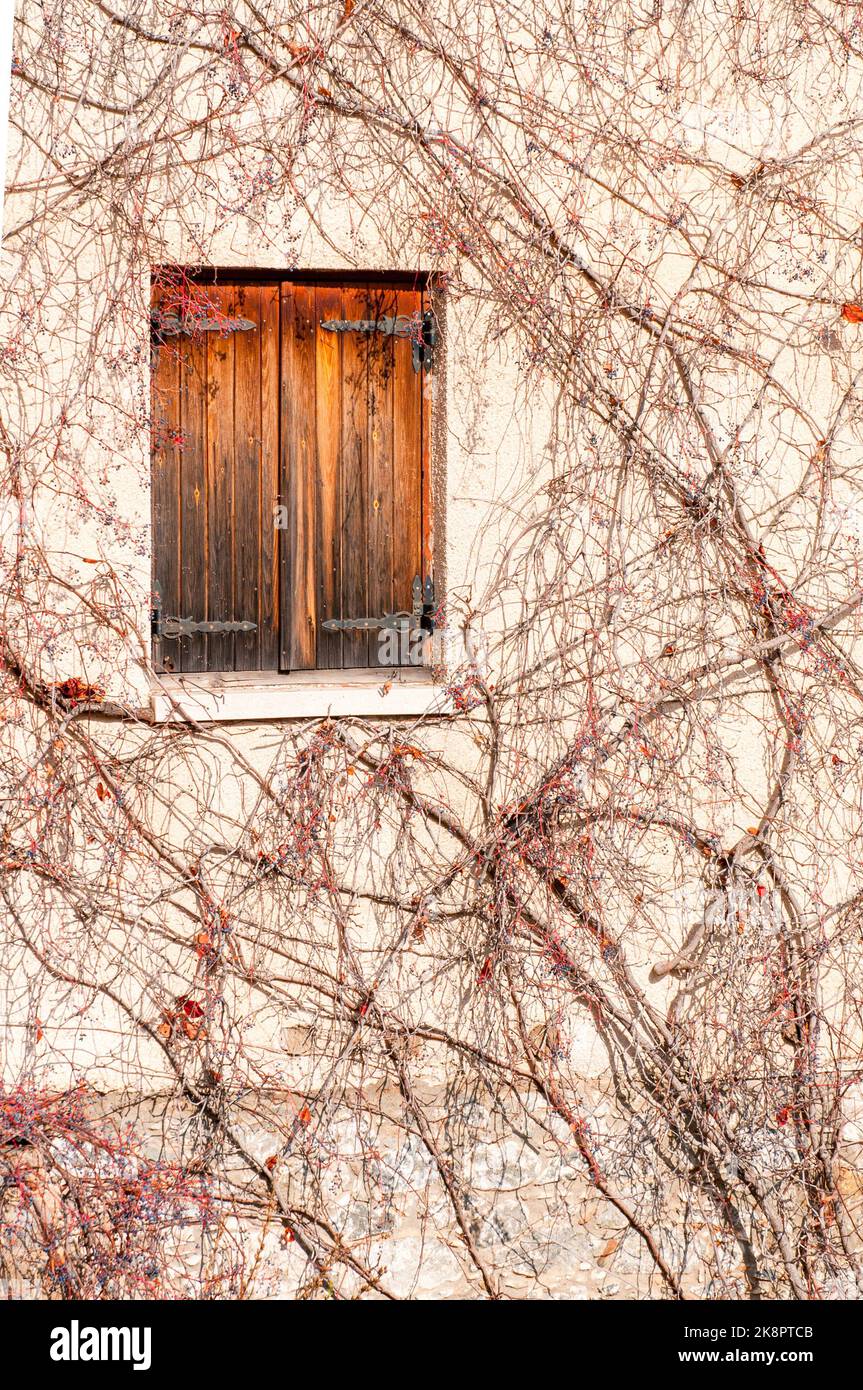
point(556, 987)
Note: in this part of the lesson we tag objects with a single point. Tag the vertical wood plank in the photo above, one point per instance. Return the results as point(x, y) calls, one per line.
point(268, 607)
point(166, 455)
point(298, 544)
point(328, 380)
point(427, 536)
point(381, 519)
point(193, 499)
point(220, 484)
point(354, 469)
point(248, 450)
point(407, 461)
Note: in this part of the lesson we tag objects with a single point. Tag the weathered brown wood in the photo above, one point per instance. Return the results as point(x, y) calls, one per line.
point(193, 500)
point(298, 542)
point(328, 374)
point(333, 425)
point(354, 470)
point(220, 485)
point(248, 448)
point(427, 516)
point(407, 446)
point(166, 456)
point(381, 518)
point(268, 598)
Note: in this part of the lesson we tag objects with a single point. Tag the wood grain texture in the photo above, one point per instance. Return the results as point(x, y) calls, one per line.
point(248, 449)
point(298, 462)
point(427, 513)
point(333, 425)
point(382, 500)
point(193, 499)
point(407, 461)
point(166, 454)
point(328, 493)
point(220, 486)
point(354, 479)
point(268, 593)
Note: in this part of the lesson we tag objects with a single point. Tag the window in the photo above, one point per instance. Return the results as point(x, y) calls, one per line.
point(290, 481)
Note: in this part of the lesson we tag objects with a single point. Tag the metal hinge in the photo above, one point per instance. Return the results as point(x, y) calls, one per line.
point(186, 627)
point(164, 326)
point(420, 328)
point(420, 618)
point(162, 626)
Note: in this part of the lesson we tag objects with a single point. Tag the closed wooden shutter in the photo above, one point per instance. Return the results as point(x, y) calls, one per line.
point(215, 480)
point(332, 427)
point(352, 449)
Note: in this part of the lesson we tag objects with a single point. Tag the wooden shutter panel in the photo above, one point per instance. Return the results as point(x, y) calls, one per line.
point(331, 425)
point(215, 481)
point(165, 442)
point(352, 457)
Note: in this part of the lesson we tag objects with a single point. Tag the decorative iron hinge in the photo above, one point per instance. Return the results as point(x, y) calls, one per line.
point(420, 328)
point(185, 627)
point(420, 618)
point(164, 326)
point(161, 626)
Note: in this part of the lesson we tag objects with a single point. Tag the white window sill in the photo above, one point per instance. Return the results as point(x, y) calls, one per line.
point(214, 697)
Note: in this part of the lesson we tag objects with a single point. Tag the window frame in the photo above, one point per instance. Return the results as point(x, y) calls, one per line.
point(427, 286)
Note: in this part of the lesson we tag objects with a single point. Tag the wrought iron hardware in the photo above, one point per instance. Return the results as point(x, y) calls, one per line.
point(420, 618)
point(164, 326)
point(421, 329)
point(186, 627)
point(161, 626)
point(398, 621)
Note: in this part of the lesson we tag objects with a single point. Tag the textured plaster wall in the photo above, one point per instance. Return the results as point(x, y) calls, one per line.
point(91, 514)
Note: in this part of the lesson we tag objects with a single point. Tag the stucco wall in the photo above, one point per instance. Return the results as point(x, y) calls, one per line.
point(553, 529)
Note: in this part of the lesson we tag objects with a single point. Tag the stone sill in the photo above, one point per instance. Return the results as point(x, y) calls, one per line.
point(215, 697)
